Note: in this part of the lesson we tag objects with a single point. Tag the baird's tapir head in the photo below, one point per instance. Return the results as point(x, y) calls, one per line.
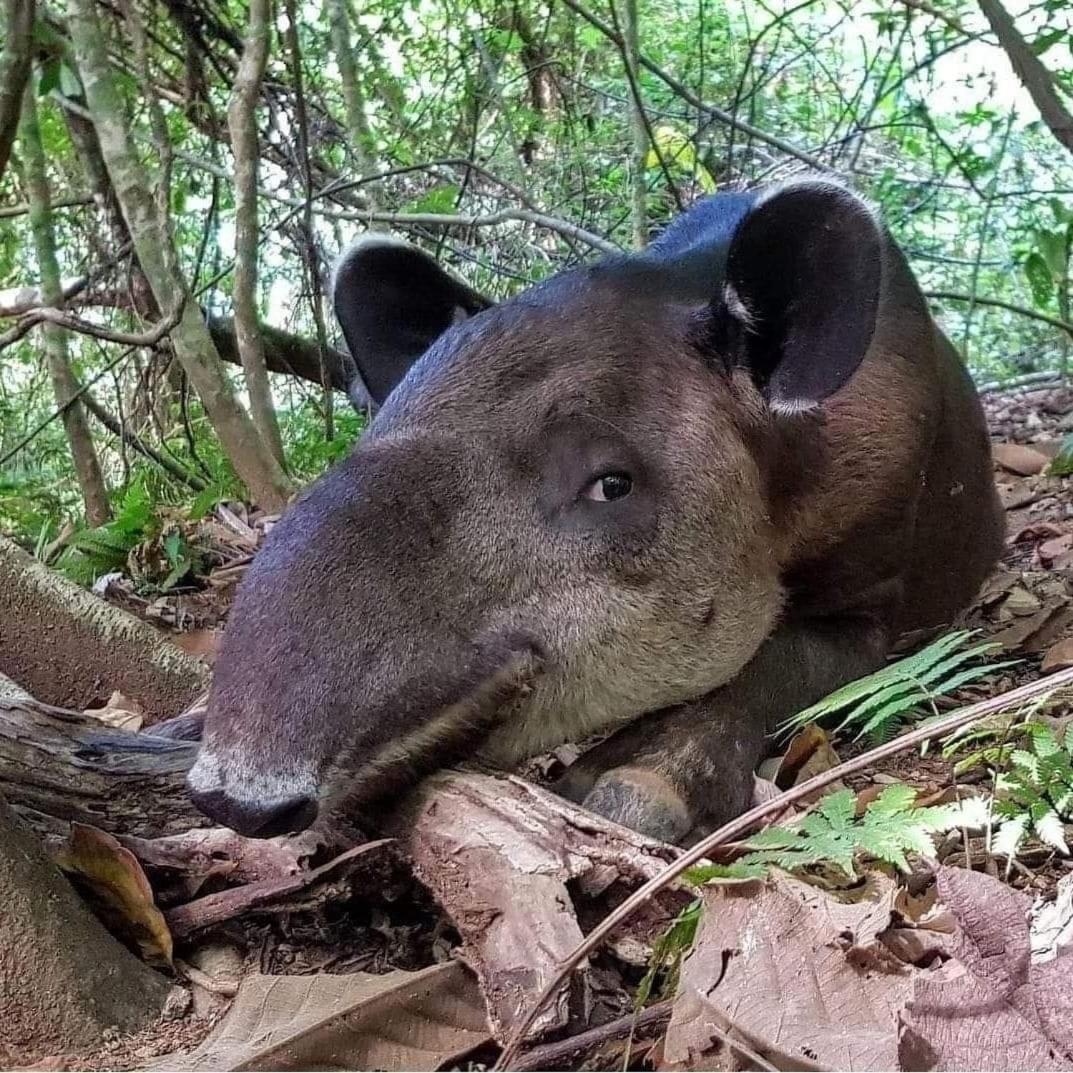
point(565, 514)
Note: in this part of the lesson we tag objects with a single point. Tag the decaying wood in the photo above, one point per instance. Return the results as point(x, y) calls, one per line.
point(497, 854)
point(272, 895)
point(61, 765)
point(68, 647)
point(63, 979)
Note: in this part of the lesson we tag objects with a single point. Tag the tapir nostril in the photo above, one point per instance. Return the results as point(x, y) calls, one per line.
point(257, 819)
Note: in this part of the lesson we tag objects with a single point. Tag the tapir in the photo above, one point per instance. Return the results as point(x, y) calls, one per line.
point(665, 500)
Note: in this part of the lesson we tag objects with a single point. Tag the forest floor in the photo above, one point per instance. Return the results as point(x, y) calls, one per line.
point(386, 921)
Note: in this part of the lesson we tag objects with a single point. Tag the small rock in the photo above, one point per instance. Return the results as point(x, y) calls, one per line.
point(1016, 458)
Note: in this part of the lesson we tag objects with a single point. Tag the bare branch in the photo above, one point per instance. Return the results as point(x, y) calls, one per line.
point(998, 303)
point(9, 212)
point(15, 63)
point(491, 219)
point(132, 439)
point(48, 315)
point(1030, 70)
point(689, 96)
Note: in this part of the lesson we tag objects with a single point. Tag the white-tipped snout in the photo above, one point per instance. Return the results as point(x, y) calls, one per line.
point(251, 801)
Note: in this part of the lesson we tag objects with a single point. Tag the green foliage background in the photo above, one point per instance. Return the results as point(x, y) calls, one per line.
point(915, 105)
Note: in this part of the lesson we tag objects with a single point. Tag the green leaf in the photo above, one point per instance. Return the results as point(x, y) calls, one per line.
point(440, 199)
point(877, 703)
point(1040, 280)
point(1052, 246)
point(833, 833)
point(50, 78)
point(70, 86)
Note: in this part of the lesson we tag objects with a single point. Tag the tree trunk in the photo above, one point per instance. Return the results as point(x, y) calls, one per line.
point(362, 143)
point(1030, 70)
point(68, 647)
point(242, 123)
point(15, 63)
point(631, 50)
point(65, 387)
point(156, 253)
point(64, 981)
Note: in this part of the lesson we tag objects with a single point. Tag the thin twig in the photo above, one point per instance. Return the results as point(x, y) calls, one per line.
point(998, 303)
point(51, 315)
point(691, 98)
point(491, 219)
point(748, 820)
point(557, 1054)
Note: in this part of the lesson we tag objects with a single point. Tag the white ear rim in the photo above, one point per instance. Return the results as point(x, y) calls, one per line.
point(825, 183)
point(793, 407)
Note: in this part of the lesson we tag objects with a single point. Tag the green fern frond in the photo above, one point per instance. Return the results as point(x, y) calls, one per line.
point(1034, 791)
point(890, 827)
point(877, 704)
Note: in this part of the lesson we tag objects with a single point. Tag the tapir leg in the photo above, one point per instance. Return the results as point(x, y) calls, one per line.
point(692, 766)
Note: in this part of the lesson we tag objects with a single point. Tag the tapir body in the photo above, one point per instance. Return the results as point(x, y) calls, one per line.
point(672, 497)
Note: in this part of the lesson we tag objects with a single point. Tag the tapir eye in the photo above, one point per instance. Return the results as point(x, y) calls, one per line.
point(609, 486)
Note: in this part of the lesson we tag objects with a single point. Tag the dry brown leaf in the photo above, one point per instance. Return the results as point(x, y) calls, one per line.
point(1052, 923)
point(401, 1020)
point(996, 587)
point(1015, 496)
point(1021, 602)
point(991, 1008)
point(120, 712)
point(1052, 549)
point(809, 753)
point(1018, 459)
point(794, 973)
point(116, 886)
point(1058, 656)
point(1034, 633)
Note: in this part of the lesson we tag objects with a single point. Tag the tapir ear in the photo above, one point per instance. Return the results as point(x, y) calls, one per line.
point(392, 302)
point(802, 279)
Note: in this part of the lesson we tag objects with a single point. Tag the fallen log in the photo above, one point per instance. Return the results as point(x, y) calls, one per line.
point(498, 854)
point(68, 647)
point(502, 857)
point(62, 765)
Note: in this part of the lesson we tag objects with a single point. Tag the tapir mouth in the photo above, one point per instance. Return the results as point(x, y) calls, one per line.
point(445, 736)
point(422, 730)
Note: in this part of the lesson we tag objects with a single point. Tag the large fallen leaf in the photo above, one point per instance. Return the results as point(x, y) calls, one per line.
point(117, 888)
point(398, 1021)
point(991, 1008)
point(795, 974)
point(1058, 656)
